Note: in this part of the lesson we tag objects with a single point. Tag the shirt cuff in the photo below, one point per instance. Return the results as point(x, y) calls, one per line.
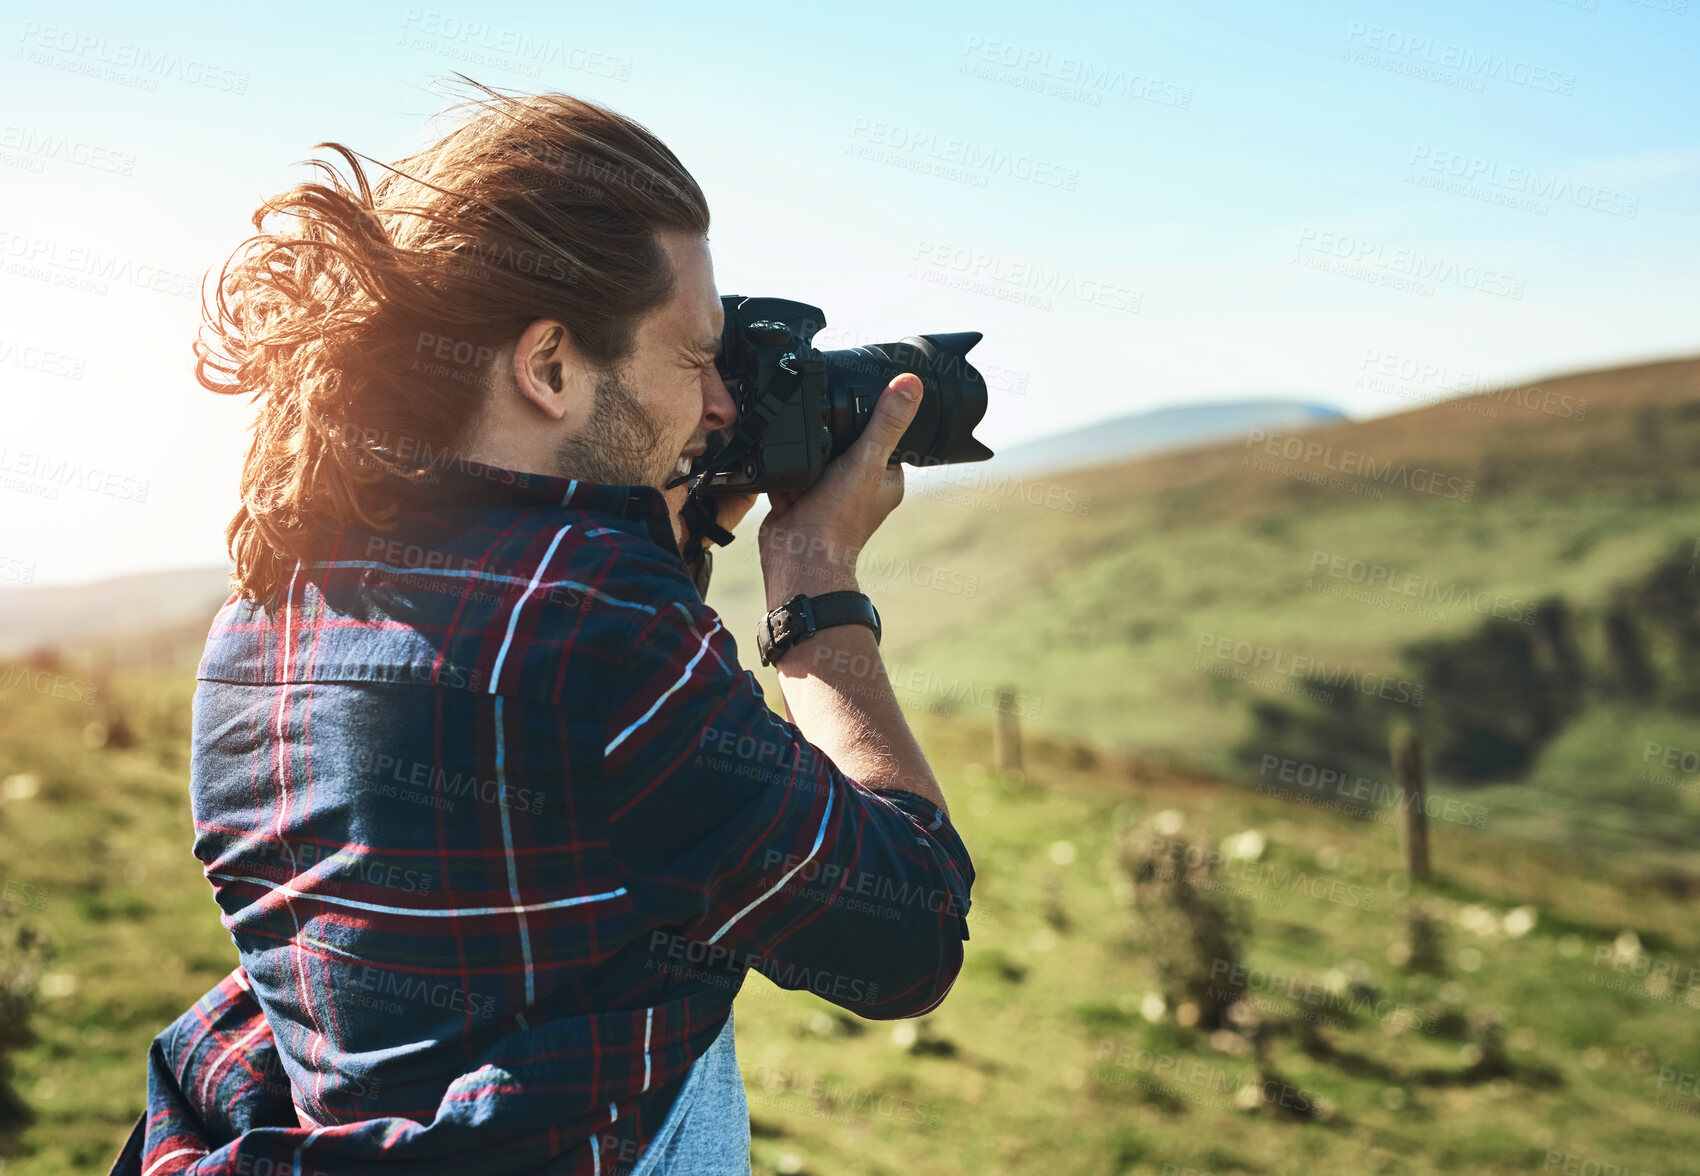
point(932, 818)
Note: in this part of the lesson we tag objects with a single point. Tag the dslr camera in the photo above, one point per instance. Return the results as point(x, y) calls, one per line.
point(798, 408)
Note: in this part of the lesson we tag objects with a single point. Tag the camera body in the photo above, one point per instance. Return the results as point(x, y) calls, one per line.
point(799, 407)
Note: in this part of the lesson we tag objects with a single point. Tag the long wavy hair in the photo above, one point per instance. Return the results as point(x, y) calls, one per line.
point(364, 317)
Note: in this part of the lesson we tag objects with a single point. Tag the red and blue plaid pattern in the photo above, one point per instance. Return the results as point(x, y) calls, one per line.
point(498, 826)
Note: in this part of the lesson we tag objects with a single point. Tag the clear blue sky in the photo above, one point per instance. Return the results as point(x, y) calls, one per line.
point(1211, 198)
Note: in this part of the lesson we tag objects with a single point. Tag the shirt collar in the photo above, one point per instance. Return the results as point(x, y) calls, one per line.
point(457, 481)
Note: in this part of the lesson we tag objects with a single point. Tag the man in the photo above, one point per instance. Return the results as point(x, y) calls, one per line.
point(496, 821)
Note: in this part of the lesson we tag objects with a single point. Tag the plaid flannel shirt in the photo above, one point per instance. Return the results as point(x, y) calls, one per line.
point(498, 826)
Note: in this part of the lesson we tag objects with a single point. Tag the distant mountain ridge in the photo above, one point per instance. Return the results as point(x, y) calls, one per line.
point(1142, 433)
point(154, 602)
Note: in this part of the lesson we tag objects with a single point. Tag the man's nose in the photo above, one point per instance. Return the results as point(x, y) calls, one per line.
point(719, 410)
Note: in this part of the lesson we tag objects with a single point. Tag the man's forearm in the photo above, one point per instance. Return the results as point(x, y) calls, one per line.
point(841, 699)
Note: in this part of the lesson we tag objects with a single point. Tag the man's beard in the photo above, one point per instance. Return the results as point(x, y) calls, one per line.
point(619, 445)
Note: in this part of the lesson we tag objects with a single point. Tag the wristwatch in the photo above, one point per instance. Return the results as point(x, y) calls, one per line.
point(802, 617)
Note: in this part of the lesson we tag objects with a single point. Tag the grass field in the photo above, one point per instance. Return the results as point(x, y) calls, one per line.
point(1051, 1054)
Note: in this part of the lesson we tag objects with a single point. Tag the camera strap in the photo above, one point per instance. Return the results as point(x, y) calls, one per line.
point(780, 390)
point(702, 521)
point(701, 518)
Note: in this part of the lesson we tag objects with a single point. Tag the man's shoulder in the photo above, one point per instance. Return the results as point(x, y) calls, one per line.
point(615, 571)
point(501, 600)
point(505, 557)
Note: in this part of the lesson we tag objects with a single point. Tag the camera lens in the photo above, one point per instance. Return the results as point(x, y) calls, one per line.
point(953, 396)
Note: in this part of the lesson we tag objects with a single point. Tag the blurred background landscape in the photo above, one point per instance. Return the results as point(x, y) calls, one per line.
point(1197, 940)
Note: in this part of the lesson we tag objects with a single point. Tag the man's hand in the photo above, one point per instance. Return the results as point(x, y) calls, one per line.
point(732, 508)
point(810, 538)
point(835, 684)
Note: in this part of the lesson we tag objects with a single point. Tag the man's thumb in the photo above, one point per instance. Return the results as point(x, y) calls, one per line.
point(896, 408)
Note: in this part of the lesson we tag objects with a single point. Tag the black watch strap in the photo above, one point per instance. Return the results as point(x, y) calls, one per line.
point(802, 617)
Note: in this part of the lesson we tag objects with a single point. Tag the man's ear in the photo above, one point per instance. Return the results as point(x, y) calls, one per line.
point(550, 373)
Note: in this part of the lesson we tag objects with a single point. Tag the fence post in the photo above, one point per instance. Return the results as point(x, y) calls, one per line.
point(1006, 734)
point(1408, 767)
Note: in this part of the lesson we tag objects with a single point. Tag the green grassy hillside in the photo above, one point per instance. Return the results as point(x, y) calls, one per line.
point(1549, 1027)
point(1102, 595)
